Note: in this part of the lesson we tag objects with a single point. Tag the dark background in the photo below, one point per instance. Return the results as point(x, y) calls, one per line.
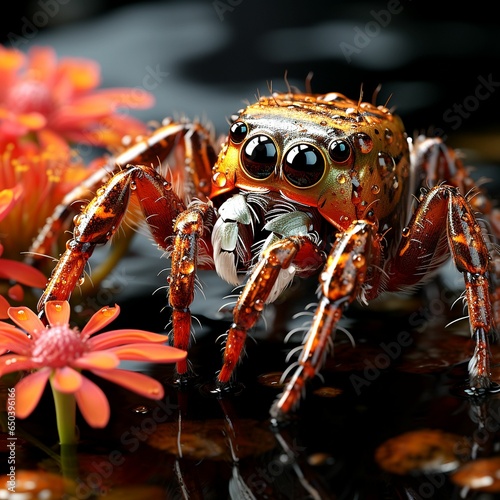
point(207, 58)
point(215, 55)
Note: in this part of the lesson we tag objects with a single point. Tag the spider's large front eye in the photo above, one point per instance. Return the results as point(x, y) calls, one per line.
point(340, 151)
point(238, 131)
point(303, 165)
point(260, 156)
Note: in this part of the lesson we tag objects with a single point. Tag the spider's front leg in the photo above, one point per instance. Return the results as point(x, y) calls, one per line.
point(100, 219)
point(354, 255)
point(298, 250)
point(444, 223)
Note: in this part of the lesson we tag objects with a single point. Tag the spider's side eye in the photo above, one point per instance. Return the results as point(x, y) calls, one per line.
point(259, 156)
point(303, 165)
point(340, 151)
point(238, 131)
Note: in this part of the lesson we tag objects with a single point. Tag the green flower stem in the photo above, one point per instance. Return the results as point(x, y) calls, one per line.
point(66, 417)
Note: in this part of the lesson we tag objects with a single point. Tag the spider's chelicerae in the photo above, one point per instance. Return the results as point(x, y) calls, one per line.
point(304, 184)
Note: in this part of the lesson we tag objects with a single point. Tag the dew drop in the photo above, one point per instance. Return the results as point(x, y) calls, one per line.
point(342, 179)
point(375, 189)
point(142, 409)
point(272, 379)
point(258, 305)
point(58, 307)
point(405, 231)
point(187, 266)
point(107, 311)
point(363, 142)
point(22, 315)
point(385, 163)
point(389, 136)
point(133, 185)
point(359, 260)
point(219, 179)
point(81, 281)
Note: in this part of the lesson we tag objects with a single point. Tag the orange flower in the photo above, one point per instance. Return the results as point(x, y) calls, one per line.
point(45, 177)
point(45, 101)
point(10, 269)
point(58, 353)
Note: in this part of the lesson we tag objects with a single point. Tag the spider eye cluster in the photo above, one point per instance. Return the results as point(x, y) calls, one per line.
point(303, 164)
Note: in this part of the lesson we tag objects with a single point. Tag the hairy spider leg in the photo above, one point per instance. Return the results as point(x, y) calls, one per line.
point(280, 255)
point(444, 223)
point(190, 141)
point(347, 268)
point(100, 219)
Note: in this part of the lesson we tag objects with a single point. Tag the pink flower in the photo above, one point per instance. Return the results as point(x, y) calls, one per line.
point(45, 101)
point(59, 353)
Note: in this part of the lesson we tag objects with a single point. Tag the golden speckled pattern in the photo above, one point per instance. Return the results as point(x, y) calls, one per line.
point(374, 174)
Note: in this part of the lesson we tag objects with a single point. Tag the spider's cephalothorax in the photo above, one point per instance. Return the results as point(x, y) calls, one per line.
point(303, 184)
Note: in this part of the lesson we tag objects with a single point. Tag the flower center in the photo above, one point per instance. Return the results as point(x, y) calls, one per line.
point(58, 346)
point(30, 96)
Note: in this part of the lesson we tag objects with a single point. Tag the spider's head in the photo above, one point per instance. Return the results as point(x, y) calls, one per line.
point(323, 151)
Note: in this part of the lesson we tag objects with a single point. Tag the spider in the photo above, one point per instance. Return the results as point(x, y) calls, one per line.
point(304, 184)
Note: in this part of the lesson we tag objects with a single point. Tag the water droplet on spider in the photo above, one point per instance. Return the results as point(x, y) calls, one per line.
point(342, 179)
point(405, 231)
point(58, 307)
point(22, 315)
point(187, 266)
point(389, 136)
point(133, 185)
point(363, 142)
point(259, 305)
point(375, 189)
point(359, 260)
point(81, 280)
point(219, 179)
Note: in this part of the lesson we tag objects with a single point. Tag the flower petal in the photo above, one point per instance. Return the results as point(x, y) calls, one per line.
point(149, 352)
point(100, 319)
point(66, 380)
point(26, 319)
point(57, 312)
point(134, 381)
point(25, 274)
point(93, 404)
point(8, 198)
point(13, 363)
point(4, 307)
point(29, 390)
point(118, 337)
point(99, 359)
point(19, 342)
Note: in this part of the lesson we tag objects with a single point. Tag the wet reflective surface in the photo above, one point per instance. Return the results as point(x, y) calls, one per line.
point(390, 419)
